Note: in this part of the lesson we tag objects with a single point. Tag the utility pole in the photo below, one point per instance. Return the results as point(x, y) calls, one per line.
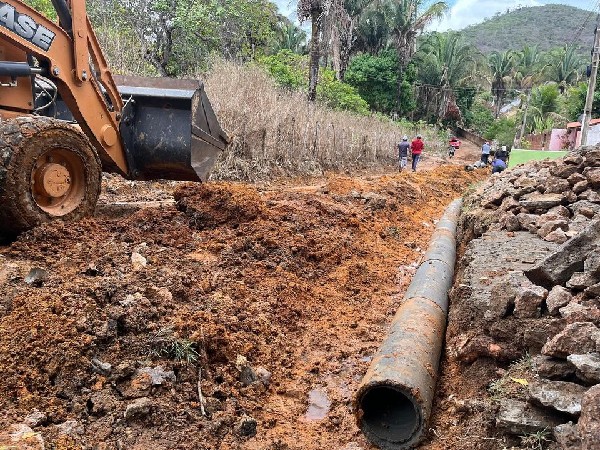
point(519, 142)
point(589, 99)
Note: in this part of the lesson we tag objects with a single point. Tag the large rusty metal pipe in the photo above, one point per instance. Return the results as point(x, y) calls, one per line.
point(393, 402)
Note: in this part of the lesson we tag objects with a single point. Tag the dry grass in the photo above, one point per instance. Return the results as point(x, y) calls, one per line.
point(279, 133)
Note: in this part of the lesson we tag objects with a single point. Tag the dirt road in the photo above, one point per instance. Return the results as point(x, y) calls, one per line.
point(268, 301)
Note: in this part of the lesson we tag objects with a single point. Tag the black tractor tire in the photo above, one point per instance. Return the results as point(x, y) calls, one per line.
point(40, 151)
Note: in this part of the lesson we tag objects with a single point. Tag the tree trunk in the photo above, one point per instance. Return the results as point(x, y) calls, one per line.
point(313, 74)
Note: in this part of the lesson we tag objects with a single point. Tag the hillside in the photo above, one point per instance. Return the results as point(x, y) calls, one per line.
point(546, 26)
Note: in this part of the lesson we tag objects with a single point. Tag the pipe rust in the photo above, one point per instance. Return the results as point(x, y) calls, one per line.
point(394, 399)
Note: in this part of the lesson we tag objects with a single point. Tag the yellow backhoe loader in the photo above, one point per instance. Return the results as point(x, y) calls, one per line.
point(65, 119)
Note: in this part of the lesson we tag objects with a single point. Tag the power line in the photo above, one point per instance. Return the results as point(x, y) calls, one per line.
point(582, 27)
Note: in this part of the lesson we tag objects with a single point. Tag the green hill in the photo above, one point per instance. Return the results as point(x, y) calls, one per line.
point(546, 26)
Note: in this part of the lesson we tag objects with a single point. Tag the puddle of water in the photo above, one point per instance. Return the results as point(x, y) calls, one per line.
point(318, 405)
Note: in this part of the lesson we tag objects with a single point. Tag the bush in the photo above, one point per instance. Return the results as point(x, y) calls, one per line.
point(287, 68)
point(503, 131)
point(339, 95)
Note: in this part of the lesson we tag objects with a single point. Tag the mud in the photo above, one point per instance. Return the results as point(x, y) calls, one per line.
point(253, 297)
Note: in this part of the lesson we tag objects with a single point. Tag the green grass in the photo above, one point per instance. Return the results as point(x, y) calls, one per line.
point(523, 156)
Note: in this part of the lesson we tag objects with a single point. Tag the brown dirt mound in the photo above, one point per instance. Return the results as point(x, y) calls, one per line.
point(303, 284)
point(211, 205)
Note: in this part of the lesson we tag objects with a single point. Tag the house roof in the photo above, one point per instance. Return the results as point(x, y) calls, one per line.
point(578, 124)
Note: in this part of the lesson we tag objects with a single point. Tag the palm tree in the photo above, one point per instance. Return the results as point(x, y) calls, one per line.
point(564, 66)
point(312, 9)
point(446, 62)
point(528, 65)
point(501, 67)
point(290, 37)
point(407, 21)
point(373, 31)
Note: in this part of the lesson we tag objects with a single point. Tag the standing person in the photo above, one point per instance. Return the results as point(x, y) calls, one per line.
point(416, 148)
point(403, 153)
point(485, 152)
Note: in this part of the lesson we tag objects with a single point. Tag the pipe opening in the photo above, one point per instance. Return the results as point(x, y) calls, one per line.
point(389, 414)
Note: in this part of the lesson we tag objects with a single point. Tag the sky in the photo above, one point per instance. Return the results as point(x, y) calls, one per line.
point(466, 12)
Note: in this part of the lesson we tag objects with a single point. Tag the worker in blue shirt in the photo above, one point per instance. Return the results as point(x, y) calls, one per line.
point(498, 165)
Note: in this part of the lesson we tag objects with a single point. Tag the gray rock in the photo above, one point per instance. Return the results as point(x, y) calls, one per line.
point(101, 367)
point(556, 185)
point(248, 376)
point(592, 263)
point(517, 417)
point(590, 195)
point(526, 221)
point(264, 376)
point(246, 426)
point(588, 367)
point(589, 425)
point(558, 236)
point(576, 338)
point(502, 295)
point(580, 187)
point(557, 298)
point(563, 170)
point(592, 158)
point(568, 259)
point(561, 396)
point(576, 178)
point(573, 158)
point(582, 280)
point(528, 301)
point(593, 291)
point(593, 177)
point(552, 225)
point(567, 436)
point(35, 418)
point(552, 368)
point(70, 428)
point(157, 375)
point(585, 207)
point(541, 202)
point(509, 222)
point(138, 409)
point(36, 276)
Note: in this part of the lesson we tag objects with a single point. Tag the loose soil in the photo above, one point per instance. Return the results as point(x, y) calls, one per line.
point(270, 300)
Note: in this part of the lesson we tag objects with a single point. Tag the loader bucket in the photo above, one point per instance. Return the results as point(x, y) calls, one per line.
point(169, 129)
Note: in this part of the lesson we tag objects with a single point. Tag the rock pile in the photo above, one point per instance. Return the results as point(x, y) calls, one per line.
point(556, 300)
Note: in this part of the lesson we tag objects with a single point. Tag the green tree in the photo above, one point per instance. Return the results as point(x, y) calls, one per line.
point(563, 66)
point(501, 67)
point(376, 79)
point(43, 6)
point(178, 36)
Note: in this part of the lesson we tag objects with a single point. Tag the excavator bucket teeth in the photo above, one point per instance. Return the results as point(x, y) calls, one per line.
point(169, 129)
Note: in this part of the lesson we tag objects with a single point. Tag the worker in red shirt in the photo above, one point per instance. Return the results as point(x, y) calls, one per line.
point(416, 148)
